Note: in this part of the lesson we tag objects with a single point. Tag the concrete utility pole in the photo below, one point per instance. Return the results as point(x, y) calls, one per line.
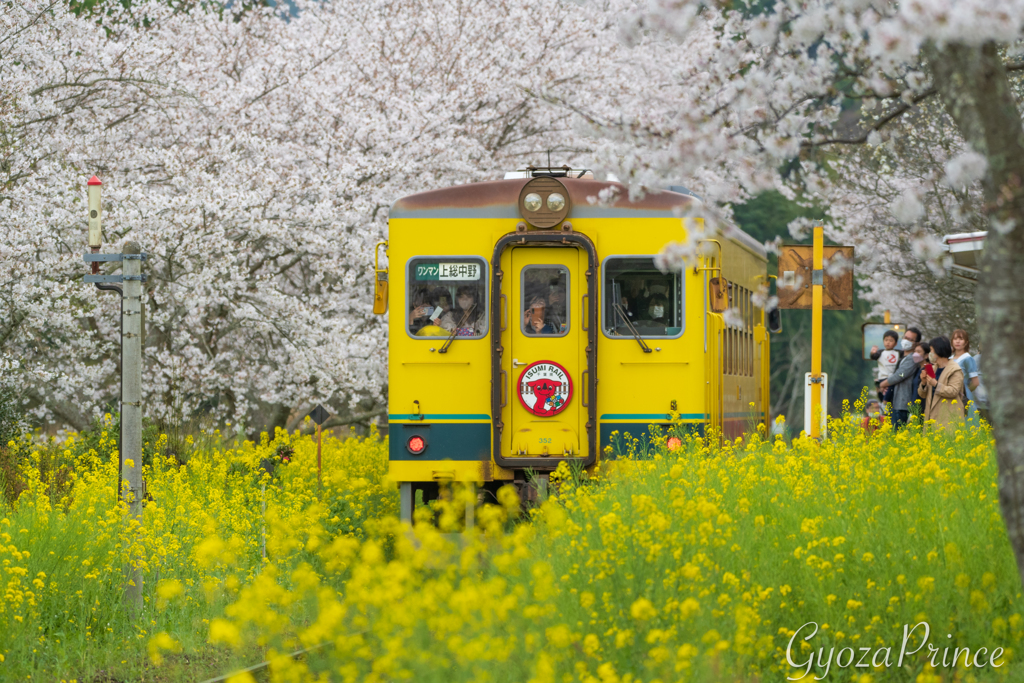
point(131, 402)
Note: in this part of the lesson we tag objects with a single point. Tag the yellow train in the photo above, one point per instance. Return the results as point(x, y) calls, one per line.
point(529, 322)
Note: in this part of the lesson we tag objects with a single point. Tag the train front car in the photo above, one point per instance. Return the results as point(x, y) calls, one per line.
point(530, 325)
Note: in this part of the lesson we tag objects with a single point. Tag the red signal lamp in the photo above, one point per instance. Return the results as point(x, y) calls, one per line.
point(416, 444)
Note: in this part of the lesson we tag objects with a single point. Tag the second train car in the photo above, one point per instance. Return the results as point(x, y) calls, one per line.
point(528, 323)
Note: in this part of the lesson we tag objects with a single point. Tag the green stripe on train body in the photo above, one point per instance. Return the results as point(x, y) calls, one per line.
point(438, 416)
point(642, 431)
point(461, 441)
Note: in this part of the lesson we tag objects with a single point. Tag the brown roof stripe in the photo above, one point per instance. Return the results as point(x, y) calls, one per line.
point(500, 193)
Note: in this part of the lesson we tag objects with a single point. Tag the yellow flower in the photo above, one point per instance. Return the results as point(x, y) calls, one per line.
point(642, 609)
point(688, 608)
point(711, 637)
point(161, 642)
point(224, 632)
point(169, 589)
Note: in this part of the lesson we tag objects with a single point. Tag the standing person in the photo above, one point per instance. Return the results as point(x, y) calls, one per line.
point(943, 394)
point(910, 338)
point(925, 368)
point(888, 358)
point(901, 383)
point(981, 394)
point(962, 355)
point(873, 416)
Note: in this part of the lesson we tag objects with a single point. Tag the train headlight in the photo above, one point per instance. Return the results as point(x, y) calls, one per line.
point(544, 202)
point(416, 444)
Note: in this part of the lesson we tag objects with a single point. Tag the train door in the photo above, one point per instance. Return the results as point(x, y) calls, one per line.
point(546, 412)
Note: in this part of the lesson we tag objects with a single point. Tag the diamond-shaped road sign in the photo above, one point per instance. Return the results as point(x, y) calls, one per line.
point(319, 415)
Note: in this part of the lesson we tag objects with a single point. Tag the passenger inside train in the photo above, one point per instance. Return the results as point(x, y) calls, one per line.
point(447, 295)
point(545, 299)
point(641, 298)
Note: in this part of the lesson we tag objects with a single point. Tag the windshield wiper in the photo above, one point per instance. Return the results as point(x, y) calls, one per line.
point(636, 335)
point(455, 332)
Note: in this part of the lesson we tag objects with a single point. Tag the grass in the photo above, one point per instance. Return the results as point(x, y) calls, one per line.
point(699, 563)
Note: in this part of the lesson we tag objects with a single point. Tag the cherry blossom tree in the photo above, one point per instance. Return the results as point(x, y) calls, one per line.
point(896, 197)
point(255, 158)
point(737, 100)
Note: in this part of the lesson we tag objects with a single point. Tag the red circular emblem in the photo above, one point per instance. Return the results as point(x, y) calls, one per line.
point(544, 388)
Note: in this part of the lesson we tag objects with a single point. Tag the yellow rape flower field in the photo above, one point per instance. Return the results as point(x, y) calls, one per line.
point(759, 560)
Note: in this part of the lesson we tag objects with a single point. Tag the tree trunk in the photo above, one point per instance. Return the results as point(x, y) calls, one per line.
point(975, 90)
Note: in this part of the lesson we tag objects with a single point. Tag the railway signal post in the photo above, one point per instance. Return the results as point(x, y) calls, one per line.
point(130, 446)
point(319, 415)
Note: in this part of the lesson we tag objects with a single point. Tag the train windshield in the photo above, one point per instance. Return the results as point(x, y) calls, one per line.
point(447, 294)
point(637, 294)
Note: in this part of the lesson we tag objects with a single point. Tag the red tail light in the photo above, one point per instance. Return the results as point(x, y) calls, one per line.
point(416, 444)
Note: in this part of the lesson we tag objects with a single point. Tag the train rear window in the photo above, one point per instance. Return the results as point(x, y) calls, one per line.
point(445, 294)
point(637, 294)
point(545, 292)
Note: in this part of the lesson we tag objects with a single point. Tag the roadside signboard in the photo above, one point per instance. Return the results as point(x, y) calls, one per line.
point(796, 277)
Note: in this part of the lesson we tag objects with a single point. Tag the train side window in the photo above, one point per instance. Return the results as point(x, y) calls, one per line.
point(445, 294)
point(545, 295)
point(635, 290)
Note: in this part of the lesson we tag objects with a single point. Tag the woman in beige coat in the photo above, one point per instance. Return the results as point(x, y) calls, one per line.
point(942, 395)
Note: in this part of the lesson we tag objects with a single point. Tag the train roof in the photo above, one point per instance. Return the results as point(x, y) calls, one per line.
point(500, 199)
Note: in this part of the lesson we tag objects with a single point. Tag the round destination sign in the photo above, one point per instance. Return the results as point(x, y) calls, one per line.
point(545, 388)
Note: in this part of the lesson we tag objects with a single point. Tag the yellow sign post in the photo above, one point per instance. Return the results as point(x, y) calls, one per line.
point(802, 284)
point(817, 280)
